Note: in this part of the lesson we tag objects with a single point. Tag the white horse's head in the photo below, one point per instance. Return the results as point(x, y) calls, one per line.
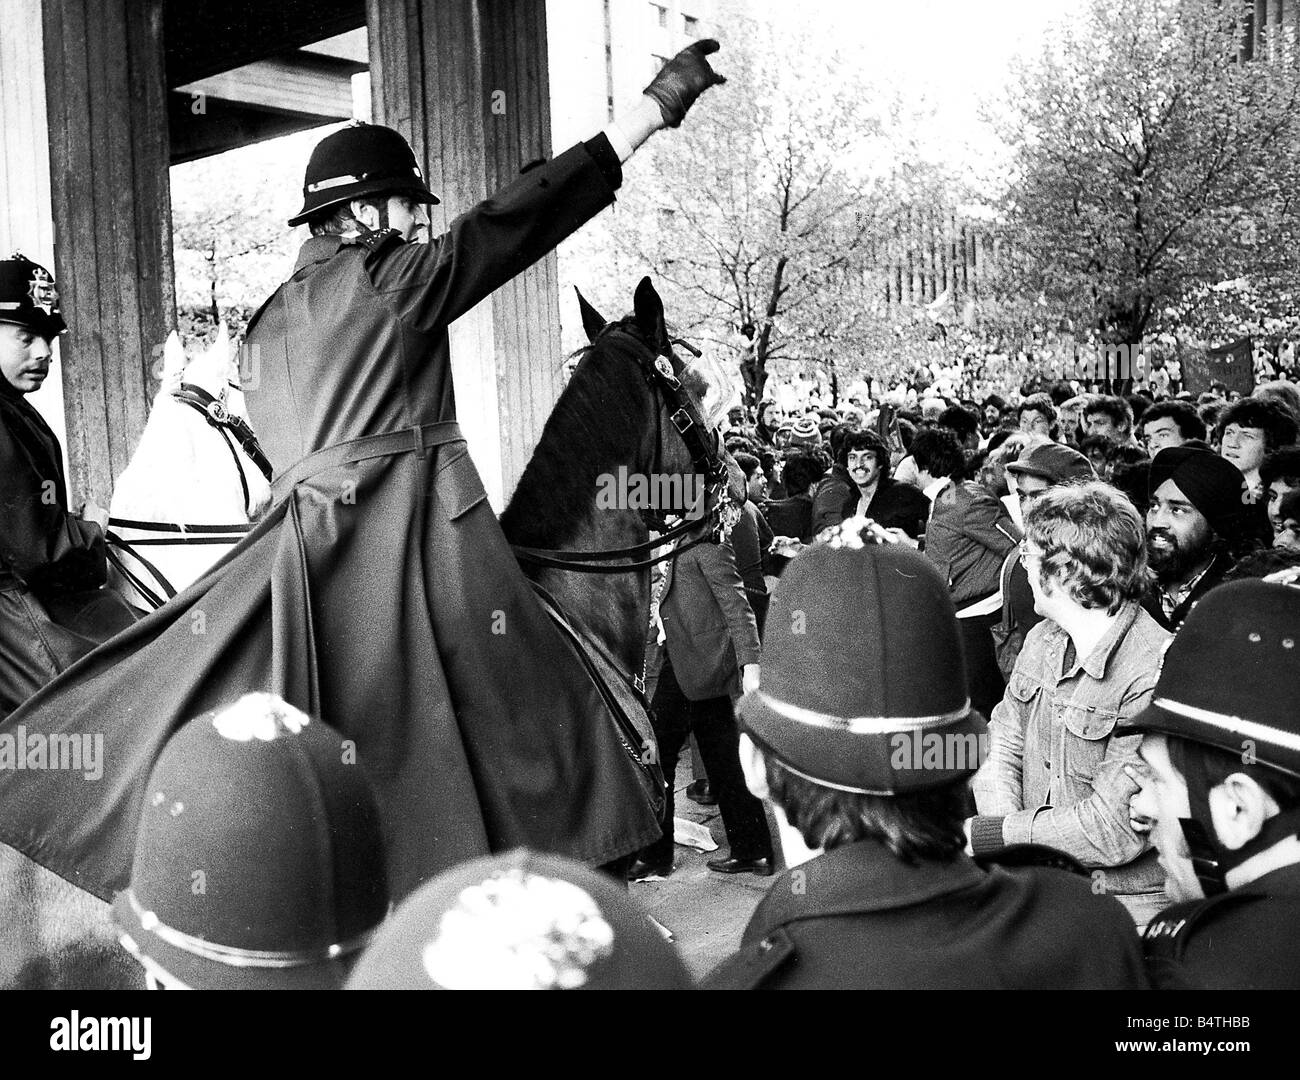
point(183, 471)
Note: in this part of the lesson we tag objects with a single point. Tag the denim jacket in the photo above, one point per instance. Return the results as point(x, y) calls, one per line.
point(1055, 771)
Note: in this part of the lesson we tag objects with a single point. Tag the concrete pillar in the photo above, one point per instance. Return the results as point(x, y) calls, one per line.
point(466, 82)
point(109, 190)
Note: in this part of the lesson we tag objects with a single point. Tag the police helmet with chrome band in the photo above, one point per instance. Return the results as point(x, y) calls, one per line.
point(1231, 680)
point(28, 297)
point(359, 160)
point(865, 688)
point(259, 862)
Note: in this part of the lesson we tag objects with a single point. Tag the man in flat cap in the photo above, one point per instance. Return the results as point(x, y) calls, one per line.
point(1220, 793)
point(1039, 468)
point(862, 736)
point(1197, 526)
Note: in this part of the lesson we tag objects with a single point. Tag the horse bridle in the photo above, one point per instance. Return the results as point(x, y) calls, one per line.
point(231, 427)
point(706, 460)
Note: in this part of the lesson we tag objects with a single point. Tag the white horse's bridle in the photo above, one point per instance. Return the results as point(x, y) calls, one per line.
point(169, 534)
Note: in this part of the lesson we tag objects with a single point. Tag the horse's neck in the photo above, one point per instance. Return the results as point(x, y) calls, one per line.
point(613, 607)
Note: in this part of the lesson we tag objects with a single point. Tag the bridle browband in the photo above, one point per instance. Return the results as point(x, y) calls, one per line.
point(684, 415)
point(214, 411)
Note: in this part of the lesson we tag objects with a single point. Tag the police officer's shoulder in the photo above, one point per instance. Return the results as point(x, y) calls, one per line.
point(376, 241)
point(755, 963)
point(1173, 933)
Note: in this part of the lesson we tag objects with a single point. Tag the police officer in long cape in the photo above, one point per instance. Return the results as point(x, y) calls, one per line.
point(53, 607)
point(1220, 793)
point(378, 592)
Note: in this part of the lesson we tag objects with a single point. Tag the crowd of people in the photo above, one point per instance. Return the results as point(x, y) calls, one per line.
point(1003, 672)
point(1075, 535)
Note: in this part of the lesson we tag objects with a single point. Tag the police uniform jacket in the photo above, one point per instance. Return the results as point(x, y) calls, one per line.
point(858, 918)
point(1240, 940)
point(378, 593)
point(52, 565)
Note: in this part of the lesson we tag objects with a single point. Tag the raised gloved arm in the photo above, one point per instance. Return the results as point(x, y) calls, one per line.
point(665, 101)
point(683, 79)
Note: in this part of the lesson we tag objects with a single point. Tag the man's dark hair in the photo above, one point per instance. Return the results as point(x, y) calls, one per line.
point(1138, 406)
point(1209, 414)
point(1039, 403)
point(748, 463)
point(864, 440)
point(1183, 415)
point(836, 438)
point(1060, 392)
point(1261, 563)
point(996, 401)
point(1102, 445)
point(1133, 478)
point(1281, 465)
point(1116, 408)
point(338, 219)
point(801, 471)
point(927, 824)
point(937, 451)
point(906, 432)
point(963, 422)
point(1278, 425)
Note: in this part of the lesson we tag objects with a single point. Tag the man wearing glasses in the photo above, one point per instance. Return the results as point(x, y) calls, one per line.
point(1055, 772)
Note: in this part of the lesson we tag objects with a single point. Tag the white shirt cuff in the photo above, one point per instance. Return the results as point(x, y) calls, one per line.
point(620, 143)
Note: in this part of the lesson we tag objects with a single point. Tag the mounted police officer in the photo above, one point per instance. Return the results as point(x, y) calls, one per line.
point(378, 592)
point(53, 609)
point(1220, 793)
point(260, 862)
point(863, 738)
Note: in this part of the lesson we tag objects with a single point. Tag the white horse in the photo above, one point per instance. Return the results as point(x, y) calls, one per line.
point(194, 483)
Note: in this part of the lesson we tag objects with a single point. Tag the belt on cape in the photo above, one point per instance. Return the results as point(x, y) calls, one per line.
point(421, 438)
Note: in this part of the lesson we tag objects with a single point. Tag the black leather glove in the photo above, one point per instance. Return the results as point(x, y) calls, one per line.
point(683, 79)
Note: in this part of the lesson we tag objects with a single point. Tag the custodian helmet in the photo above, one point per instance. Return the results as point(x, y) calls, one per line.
point(259, 862)
point(866, 677)
point(362, 159)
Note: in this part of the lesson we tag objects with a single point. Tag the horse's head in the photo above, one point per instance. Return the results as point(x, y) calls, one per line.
point(692, 395)
point(216, 372)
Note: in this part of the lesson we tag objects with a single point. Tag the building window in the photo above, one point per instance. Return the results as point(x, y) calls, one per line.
point(662, 13)
point(691, 25)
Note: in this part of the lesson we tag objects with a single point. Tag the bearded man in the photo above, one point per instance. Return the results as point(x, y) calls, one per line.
point(1196, 529)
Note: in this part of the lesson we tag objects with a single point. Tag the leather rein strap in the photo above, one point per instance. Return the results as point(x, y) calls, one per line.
point(214, 411)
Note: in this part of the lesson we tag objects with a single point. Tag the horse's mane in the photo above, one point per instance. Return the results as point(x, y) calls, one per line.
point(593, 428)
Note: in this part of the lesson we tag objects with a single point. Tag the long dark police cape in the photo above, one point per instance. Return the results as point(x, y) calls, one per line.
point(378, 594)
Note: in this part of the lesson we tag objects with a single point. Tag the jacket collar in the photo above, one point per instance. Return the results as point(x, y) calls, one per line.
point(317, 249)
point(860, 877)
point(1095, 662)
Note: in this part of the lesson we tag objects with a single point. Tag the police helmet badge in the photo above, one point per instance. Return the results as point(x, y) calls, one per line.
point(42, 290)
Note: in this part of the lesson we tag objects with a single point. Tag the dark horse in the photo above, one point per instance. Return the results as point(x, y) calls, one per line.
point(619, 410)
point(625, 406)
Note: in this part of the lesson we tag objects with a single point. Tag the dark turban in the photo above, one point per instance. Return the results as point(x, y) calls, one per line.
point(1214, 485)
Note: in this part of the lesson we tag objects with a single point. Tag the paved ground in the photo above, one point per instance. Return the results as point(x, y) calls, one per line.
point(705, 911)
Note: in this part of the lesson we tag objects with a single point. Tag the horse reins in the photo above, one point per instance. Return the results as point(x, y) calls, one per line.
point(214, 411)
point(705, 460)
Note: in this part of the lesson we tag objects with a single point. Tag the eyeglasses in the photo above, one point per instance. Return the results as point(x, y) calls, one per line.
point(1027, 553)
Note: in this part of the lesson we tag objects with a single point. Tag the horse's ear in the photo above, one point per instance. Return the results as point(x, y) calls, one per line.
point(649, 311)
point(173, 358)
point(593, 322)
